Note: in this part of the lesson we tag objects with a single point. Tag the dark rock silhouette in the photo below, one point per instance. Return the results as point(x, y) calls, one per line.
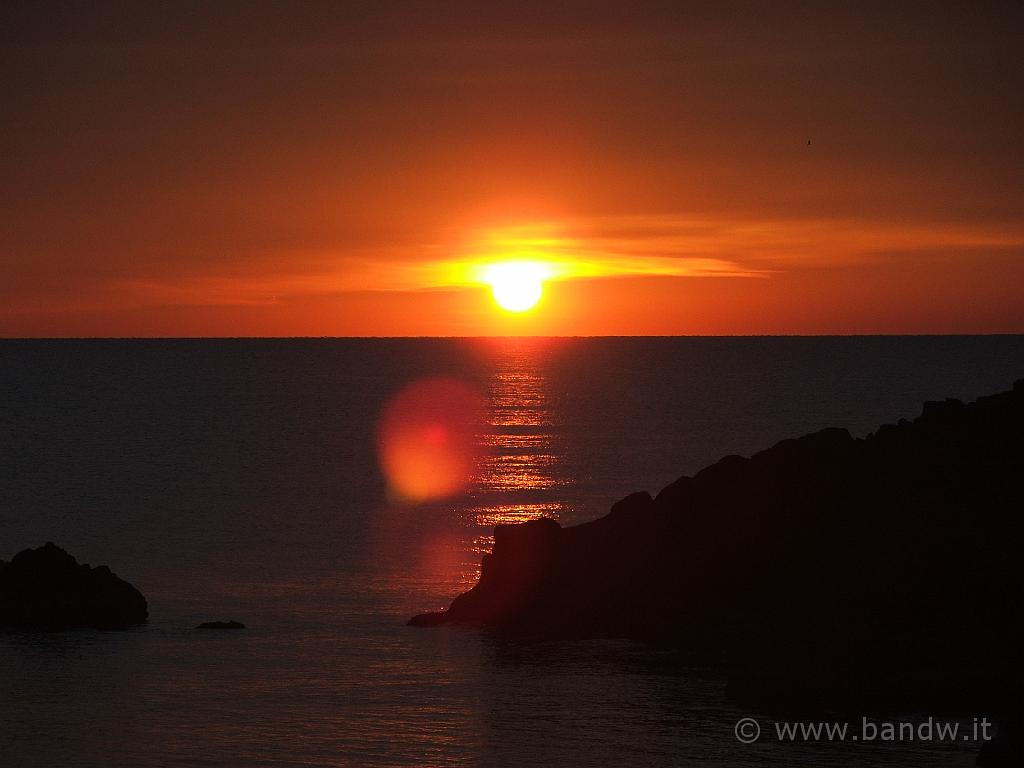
point(47, 589)
point(884, 571)
point(221, 625)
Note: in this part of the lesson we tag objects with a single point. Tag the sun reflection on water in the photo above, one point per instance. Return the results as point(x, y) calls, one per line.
point(521, 461)
point(515, 513)
point(520, 474)
point(517, 473)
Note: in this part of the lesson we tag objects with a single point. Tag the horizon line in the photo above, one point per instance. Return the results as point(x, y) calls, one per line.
point(515, 336)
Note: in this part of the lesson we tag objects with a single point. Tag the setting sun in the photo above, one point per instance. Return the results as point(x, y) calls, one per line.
point(517, 285)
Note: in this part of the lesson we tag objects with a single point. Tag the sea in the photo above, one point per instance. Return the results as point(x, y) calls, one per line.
point(241, 479)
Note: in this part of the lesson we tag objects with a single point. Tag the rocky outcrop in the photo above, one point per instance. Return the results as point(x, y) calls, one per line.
point(893, 561)
point(221, 625)
point(47, 589)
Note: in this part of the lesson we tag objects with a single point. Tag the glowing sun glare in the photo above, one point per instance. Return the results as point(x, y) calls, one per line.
point(517, 285)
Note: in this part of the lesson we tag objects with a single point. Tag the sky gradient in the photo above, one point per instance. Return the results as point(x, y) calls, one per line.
point(326, 169)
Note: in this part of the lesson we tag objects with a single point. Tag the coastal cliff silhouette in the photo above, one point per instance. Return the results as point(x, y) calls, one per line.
point(48, 589)
point(883, 571)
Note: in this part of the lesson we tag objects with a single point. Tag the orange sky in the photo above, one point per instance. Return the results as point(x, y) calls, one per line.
point(319, 169)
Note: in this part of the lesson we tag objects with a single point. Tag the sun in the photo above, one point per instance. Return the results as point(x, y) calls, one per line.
point(517, 285)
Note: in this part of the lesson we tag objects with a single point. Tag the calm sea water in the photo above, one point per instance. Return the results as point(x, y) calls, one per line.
point(237, 479)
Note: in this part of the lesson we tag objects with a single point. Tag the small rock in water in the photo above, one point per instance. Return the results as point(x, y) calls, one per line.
point(221, 625)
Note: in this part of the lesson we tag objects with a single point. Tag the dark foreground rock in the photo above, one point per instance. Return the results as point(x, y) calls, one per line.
point(47, 589)
point(826, 569)
point(221, 625)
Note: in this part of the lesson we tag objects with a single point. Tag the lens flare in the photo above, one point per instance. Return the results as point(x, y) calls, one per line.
point(427, 439)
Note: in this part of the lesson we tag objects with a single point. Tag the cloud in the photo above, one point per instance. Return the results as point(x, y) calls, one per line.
point(583, 248)
point(691, 246)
